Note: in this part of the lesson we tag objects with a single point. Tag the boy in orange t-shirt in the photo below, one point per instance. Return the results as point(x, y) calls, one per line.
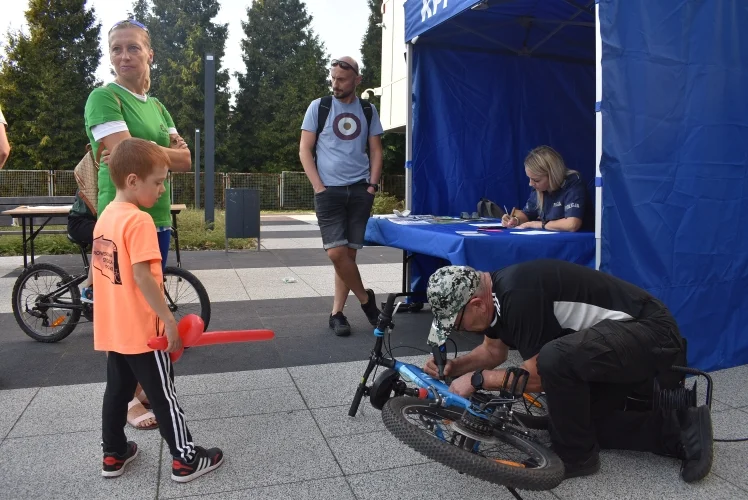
point(130, 309)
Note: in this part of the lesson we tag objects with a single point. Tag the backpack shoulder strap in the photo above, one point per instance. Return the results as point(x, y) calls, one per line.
point(325, 104)
point(368, 112)
point(323, 111)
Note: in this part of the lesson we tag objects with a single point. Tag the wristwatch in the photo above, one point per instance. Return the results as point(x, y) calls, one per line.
point(542, 225)
point(375, 186)
point(477, 380)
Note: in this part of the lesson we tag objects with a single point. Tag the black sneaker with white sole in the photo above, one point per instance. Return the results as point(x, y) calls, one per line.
point(339, 324)
point(370, 308)
point(114, 463)
point(203, 462)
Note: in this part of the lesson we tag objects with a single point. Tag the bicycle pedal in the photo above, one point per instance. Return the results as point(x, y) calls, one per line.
point(515, 381)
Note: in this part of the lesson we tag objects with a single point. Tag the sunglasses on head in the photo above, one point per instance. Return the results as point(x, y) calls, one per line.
point(335, 63)
point(129, 21)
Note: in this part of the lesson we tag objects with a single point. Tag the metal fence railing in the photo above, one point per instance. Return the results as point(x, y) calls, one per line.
point(269, 186)
point(284, 191)
point(63, 183)
point(183, 188)
point(296, 191)
point(394, 185)
point(26, 183)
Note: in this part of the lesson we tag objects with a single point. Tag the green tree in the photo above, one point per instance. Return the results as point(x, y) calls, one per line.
point(371, 51)
point(45, 80)
point(182, 32)
point(285, 70)
point(141, 10)
point(393, 143)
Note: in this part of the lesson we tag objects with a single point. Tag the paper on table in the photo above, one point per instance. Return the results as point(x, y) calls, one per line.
point(47, 207)
point(533, 233)
point(407, 222)
point(485, 224)
point(470, 233)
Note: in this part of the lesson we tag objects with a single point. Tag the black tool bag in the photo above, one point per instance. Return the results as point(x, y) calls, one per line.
point(487, 208)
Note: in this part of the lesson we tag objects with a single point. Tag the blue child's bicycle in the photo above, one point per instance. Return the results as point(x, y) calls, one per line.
point(487, 436)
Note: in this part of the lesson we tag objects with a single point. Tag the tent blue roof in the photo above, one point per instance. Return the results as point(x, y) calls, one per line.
point(537, 28)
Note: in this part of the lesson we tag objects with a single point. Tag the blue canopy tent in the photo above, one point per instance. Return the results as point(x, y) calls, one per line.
point(645, 99)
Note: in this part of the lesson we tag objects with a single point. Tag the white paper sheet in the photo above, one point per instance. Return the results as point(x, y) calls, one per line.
point(49, 207)
point(470, 233)
point(533, 233)
point(408, 222)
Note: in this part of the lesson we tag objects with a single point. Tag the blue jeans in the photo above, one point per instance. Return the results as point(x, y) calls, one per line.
point(164, 239)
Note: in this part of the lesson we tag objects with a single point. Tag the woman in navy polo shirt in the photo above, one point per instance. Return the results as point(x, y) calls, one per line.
point(559, 202)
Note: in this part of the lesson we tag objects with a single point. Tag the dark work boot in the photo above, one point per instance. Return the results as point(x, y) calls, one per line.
point(696, 442)
point(582, 468)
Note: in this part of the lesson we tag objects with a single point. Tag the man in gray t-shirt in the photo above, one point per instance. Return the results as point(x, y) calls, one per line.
point(4, 145)
point(345, 181)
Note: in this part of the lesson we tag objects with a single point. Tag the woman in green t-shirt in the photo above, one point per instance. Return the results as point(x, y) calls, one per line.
point(123, 109)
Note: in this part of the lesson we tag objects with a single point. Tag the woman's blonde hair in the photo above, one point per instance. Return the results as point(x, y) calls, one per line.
point(147, 38)
point(545, 161)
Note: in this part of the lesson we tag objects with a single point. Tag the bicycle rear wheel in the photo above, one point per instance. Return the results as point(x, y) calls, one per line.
point(185, 294)
point(472, 447)
point(532, 411)
point(39, 286)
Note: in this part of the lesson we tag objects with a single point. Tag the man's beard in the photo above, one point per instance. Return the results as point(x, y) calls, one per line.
point(340, 94)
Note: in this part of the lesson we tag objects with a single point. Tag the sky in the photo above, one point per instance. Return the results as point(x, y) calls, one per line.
point(340, 25)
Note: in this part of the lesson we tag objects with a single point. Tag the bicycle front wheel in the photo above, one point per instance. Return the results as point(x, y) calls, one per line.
point(185, 294)
point(472, 446)
point(39, 297)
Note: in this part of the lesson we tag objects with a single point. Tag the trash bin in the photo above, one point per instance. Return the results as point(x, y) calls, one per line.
point(242, 214)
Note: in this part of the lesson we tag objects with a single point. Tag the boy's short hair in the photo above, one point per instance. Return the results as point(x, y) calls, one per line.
point(135, 156)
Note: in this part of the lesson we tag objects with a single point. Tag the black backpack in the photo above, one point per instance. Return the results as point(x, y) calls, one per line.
point(487, 208)
point(325, 104)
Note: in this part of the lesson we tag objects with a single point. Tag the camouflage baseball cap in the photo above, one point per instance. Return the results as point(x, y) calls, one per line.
point(449, 289)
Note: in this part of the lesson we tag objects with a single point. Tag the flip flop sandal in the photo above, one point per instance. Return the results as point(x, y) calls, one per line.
point(143, 399)
point(135, 421)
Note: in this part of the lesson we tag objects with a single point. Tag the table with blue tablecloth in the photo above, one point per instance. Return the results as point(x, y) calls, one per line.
point(493, 251)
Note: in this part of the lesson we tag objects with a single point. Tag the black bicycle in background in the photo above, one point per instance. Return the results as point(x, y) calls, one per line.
point(47, 303)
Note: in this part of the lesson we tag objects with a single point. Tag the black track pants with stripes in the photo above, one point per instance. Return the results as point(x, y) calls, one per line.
point(155, 373)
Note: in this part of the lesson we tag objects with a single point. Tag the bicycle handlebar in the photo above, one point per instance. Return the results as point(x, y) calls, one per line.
point(385, 317)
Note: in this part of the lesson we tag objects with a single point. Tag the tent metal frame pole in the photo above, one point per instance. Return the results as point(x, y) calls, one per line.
point(487, 38)
point(407, 277)
point(409, 128)
point(562, 26)
point(598, 140)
